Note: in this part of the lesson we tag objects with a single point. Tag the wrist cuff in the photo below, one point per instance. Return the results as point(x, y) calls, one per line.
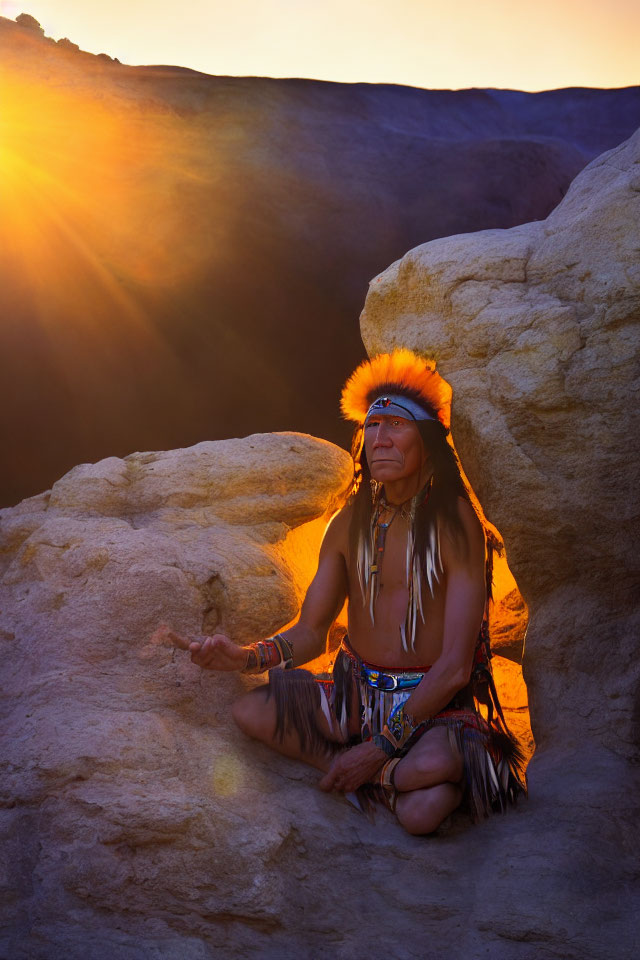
point(268, 654)
point(384, 743)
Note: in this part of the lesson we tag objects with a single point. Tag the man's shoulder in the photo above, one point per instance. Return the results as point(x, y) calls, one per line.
point(466, 544)
point(337, 533)
point(468, 516)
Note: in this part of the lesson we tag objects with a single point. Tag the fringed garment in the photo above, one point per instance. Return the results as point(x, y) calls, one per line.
point(360, 696)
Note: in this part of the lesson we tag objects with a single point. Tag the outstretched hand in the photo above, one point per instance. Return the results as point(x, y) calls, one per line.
point(353, 767)
point(210, 653)
point(218, 653)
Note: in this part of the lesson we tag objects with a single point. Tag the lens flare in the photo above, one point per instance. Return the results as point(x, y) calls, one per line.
point(227, 776)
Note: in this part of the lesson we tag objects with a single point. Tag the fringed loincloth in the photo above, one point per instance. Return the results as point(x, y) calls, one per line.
point(359, 697)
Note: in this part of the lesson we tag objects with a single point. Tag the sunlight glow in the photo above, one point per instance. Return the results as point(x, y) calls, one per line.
point(96, 192)
point(531, 45)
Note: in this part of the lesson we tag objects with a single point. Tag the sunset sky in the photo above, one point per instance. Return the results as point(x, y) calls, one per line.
point(526, 45)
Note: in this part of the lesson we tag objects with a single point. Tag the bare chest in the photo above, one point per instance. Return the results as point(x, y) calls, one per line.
point(379, 639)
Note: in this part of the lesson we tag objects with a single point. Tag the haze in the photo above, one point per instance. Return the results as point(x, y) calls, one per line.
point(531, 45)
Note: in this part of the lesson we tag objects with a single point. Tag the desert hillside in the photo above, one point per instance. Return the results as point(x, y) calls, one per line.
point(185, 256)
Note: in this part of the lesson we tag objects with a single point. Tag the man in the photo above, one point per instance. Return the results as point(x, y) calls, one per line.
point(399, 720)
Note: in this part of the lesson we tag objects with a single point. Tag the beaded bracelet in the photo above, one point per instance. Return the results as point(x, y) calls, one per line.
point(268, 654)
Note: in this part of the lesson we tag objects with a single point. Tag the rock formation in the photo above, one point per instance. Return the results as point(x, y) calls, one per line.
point(156, 220)
point(135, 819)
point(536, 330)
point(116, 751)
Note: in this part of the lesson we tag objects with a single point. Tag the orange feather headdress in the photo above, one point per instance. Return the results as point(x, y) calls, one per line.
point(401, 372)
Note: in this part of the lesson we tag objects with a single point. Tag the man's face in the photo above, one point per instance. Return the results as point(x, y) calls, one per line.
point(393, 447)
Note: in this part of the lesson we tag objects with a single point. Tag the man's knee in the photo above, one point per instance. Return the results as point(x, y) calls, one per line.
point(441, 762)
point(252, 715)
point(422, 811)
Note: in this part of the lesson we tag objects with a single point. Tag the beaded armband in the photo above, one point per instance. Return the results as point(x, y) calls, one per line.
point(267, 654)
point(396, 731)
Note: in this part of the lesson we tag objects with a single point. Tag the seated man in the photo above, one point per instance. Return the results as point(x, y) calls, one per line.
point(399, 720)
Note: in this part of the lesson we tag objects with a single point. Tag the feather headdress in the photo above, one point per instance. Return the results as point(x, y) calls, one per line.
point(401, 371)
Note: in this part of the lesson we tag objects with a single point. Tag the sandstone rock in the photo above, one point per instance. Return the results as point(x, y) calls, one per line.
point(222, 532)
point(115, 750)
point(136, 821)
point(536, 330)
point(509, 626)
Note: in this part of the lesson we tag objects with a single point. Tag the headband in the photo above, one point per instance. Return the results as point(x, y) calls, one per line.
point(396, 405)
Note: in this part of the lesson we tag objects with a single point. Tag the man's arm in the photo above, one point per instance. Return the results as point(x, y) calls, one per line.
point(322, 604)
point(325, 597)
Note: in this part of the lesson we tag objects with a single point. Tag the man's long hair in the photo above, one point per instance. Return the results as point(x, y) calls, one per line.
point(438, 511)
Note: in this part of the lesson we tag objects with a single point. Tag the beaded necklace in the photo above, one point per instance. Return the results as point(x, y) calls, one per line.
point(370, 556)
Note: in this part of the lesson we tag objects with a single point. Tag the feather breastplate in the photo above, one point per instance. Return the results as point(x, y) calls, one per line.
point(370, 557)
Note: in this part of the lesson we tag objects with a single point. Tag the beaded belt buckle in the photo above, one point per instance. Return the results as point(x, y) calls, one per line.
point(390, 681)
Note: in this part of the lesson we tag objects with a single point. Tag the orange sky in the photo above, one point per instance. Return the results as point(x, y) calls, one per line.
point(526, 45)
